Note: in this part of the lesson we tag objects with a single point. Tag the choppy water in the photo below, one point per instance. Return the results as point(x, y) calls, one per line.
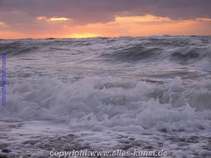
point(146, 93)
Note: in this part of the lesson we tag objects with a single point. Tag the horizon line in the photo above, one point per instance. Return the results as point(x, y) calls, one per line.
point(51, 38)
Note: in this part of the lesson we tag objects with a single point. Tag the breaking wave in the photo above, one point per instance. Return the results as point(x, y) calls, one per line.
point(112, 103)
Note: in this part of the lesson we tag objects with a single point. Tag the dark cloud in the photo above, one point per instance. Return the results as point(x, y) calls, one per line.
point(23, 12)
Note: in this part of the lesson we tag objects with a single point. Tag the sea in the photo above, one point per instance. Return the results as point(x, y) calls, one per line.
point(103, 94)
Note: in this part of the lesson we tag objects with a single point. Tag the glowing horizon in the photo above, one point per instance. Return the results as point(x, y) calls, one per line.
point(53, 19)
point(133, 26)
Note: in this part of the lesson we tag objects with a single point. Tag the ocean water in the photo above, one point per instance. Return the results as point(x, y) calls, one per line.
point(150, 93)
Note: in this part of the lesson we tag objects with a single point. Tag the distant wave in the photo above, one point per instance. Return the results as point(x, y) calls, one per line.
point(134, 53)
point(16, 48)
point(179, 50)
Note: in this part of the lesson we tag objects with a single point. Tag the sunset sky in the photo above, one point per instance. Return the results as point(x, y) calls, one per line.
point(110, 18)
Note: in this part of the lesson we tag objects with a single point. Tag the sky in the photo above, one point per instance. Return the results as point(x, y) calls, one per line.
point(104, 18)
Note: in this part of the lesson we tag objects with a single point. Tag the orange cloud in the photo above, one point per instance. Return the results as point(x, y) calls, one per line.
point(58, 19)
point(204, 19)
point(145, 26)
point(141, 19)
point(3, 24)
point(53, 19)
